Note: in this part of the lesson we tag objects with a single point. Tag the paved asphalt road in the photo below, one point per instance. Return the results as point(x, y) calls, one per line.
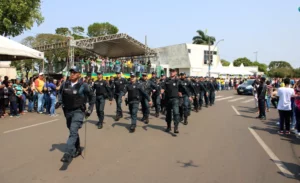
point(223, 143)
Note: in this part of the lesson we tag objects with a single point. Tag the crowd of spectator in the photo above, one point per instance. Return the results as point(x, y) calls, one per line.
point(106, 65)
point(38, 94)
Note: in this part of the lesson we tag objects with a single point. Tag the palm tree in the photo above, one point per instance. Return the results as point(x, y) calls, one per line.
point(202, 38)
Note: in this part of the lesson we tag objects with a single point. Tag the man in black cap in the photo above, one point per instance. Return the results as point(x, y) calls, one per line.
point(213, 86)
point(203, 92)
point(147, 86)
point(157, 96)
point(135, 93)
point(73, 98)
point(102, 93)
point(118, 87)
point(187, 92)
point(195, 83)
point(171, 88)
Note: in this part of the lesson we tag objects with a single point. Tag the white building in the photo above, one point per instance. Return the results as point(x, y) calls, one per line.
point(189, 58)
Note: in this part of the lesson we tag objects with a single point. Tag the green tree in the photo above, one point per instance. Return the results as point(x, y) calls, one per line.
point(203, 38)
point(279, 64)
point(297, 72)
point(281, 72)
point(261, 67)
point(225, 62)
point(17, 16)
point(101, 29)
point(64, 31)
point(243, 60)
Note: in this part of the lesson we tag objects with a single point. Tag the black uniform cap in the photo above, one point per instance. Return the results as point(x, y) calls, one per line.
point(182, 73)
point(99, 73)
point(144, 74)
point(172, 70)
point(118, 72)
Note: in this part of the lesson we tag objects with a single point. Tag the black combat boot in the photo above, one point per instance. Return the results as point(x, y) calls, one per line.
point(132, 128)
point(168, 129)
point(66, 158)
point(78, 152)
point(157, 114)
point(181, 119)
point(143, 118)
point(176, 129)
point(100, 125)
point(185, 121)
point(146, 120)
point(117, 118)
point(200, 108)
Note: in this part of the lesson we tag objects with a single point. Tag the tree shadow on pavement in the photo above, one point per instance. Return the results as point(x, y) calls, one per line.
point(187, 164)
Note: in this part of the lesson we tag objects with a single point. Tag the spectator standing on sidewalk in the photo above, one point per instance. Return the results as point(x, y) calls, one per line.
point(39, 86)
point(261, 96)
point(269, 94)
point(284, 106)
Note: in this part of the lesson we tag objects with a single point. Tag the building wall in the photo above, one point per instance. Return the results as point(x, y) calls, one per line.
point(187, 58)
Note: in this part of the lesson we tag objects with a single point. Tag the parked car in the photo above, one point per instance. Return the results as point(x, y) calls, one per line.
point(246, 87)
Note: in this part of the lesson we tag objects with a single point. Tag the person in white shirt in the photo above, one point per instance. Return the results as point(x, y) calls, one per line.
point(284, 106)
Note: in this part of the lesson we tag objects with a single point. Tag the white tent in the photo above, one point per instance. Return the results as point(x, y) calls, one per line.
point(12, 50)
point(231, 70)
point(218, 69)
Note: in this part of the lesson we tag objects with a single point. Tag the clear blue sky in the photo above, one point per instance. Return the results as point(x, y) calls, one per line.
point(271, 27)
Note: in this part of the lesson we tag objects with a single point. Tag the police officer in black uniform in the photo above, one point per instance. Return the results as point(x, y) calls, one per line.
point(157, 96)
point(163, 96)
point(103, 92)
point(135, 93)
point(147, 86)
point(195, 83)
point(187, 91)
point(74, 95)
point(171, 88)
point(203, 92)
point(213, 87)
point(206, 94)
point(118, 87)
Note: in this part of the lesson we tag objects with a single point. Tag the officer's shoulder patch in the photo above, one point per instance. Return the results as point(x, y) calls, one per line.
point(174, 84)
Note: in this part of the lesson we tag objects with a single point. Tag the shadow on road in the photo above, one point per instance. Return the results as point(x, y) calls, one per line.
point(187, 164)
point(292, 168)
point(61, 147)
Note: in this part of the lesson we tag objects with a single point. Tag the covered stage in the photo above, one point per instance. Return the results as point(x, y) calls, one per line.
point(112, 46)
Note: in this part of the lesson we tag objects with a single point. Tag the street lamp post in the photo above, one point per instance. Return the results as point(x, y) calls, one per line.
point(256, 55)
point(210, 55)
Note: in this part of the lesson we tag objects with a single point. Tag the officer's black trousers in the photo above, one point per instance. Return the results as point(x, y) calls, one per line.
point(172, 107)
point(74, 123)
point(184, 106)
point(206, 98)
point(196, 102)
point(133, 109)
point(212, 96)
point(100, 104)
point(145, 107)
point(118, 98)
point(156, 102)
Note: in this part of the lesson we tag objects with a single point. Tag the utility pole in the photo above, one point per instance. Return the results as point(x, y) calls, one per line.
point(209, 55)
point(256, 55)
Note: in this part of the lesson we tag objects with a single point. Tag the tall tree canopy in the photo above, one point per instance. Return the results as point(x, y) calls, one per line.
point(17, 16)
point(64, 31)
point(203, 38)
point(279, 64)
point(243, 60)
point(101, 29)
point(225, 62)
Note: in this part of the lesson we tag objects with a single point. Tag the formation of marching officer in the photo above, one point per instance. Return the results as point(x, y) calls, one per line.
point(173, 96)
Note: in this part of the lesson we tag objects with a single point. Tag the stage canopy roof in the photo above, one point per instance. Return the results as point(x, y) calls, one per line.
point(11, 50)
point(113, 46)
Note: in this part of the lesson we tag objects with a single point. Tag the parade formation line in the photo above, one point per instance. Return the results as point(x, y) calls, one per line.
point(25, 127)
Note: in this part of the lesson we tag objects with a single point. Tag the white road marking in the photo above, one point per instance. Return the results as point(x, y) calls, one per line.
point(9, 131)
point(274, 158)
point(218, 96)
point(224, 98)
point(235, 110)
point(236, 99)
point(247, 101)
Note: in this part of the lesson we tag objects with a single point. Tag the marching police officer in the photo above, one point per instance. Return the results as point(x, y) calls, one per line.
point(203, 92)
point(102, 93)
point(148, 86)
point(74, 95)
point(195, 83)
point(206, 94)
point(118, 87)
point(213, 87)
point(156, 96)
point(171, 89)
point(187, 91)
point(163, 100)
point(134, 92)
